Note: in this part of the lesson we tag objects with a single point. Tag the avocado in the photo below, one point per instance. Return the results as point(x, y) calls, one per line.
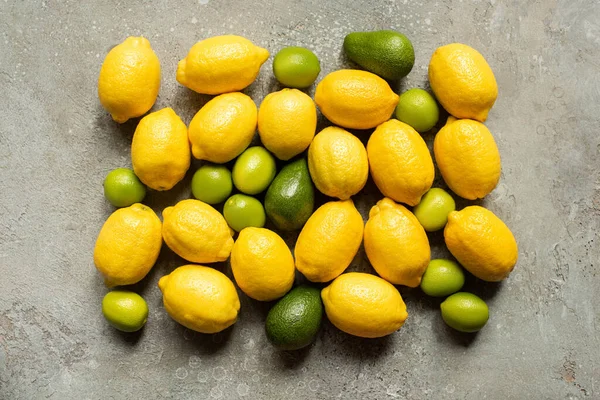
point(388, 54)
point(290, 199)
point(293, 323)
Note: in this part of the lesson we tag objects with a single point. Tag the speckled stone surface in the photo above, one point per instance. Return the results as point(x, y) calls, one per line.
point(57, 144)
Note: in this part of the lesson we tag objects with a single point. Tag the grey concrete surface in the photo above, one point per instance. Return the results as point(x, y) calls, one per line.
point(57, 144)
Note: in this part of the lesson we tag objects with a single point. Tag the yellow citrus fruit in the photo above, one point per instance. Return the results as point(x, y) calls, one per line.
point(128, 245)
point(160, 150)
point(197, 232)
point(129, 79)
point(221, 64)
point(262, 264)
point(355, 99)
point(223, 128)
point(400, 163)
point(468, 158)
point(396, 244)
point(329, 241)
point(364, 305)
point(200, 298)
point(338, 163)
point(287, 121)
point(481, 243)
point(462, 81)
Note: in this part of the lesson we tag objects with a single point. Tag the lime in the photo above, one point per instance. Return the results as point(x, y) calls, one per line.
point(432, 212)
point(442, 278)
point(123, 188)
point(212, 184)
point(254, 170)
point(241, 211)
point(465, 312)
point(418, 109)
point(126, 311)
point(296, 67)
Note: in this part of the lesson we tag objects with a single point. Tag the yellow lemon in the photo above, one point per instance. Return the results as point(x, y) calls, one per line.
point(262, 264)
point(468, 158)
point(223, 128)
point(197, 232)
point(287, 121)
point(329, 241)
point(221, 64)
point(364, 305)
point(129, 79)
point(355, 99)
point(481, 243)
point(200, 298)
point(400, 163)
point(160, 150)
point(396, 244)
point(338, 163)
point(128, 245)
point(462, 81)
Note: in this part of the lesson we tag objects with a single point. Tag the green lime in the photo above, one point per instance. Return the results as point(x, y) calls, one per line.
point(123, 188)
point(212, 184)
point(465, 312)
point(254, 170)
point(418, 109)
point(442, 278)
point(432, 212)
point(126, 311)
point(241, 211)
point(296, 67)
point(293, 323)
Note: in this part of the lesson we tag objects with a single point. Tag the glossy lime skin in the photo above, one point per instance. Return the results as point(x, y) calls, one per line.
point(122, 188)
point(241, 211)
point(418, 109)
point(212, 184)
point(432, 212)
point(465, 312)
point(124, 310)
point(442, 278)
point(296, 67)
point(254, 170)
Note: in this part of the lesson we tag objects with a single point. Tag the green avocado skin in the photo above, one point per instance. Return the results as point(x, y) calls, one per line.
point(386, 53)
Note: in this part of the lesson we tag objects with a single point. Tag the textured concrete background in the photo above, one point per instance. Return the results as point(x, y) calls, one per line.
point(57, 144)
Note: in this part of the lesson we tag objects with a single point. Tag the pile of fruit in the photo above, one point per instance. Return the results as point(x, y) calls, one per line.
point(334, 161)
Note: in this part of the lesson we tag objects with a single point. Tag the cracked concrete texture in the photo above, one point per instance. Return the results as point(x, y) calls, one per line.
point(57, 144)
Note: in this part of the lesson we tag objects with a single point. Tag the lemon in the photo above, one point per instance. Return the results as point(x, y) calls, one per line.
point(200, 298)
point(364, 305)
point(329, 241)
point(338, 163)
point(287, 122)
point(355, 99)
point(196, 232)
point(128, 245)
point(462, 81)
point(126, 311)
point(223, 128)
point(221, 64)
point(262, 264)
point(160, 150)
point(400, 163)
point(396, 244)
point(481, 243)
point(129, 79)
point(468, 158)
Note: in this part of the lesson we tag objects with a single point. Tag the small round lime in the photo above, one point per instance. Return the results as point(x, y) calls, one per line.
point(123, 188)
point(296, 67)
point(432, 212)
point(212, 184)
point(241, 211)
point(254, 170)
point(465, 312)
point(126, 311)
point(442, 278)
point(418, 109)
